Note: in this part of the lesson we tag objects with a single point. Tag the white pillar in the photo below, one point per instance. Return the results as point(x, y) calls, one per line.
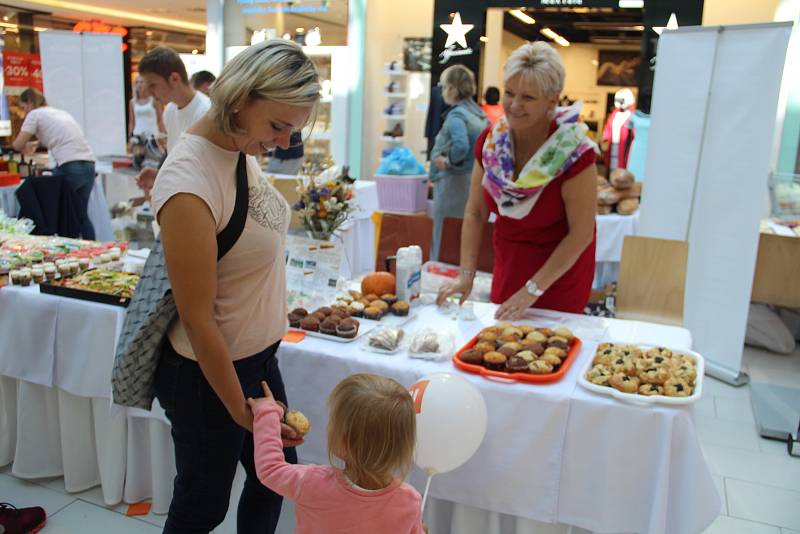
point(235, 32)
point(492, 50)
point(215, 44)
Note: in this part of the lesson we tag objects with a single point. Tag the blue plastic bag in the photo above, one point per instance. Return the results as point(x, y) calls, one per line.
point(401, 161)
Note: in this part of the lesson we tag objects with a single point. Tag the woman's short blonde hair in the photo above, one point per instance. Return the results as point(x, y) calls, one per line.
point(458, 83)
point(275, 70)
point(537, 62)
point(372, 428)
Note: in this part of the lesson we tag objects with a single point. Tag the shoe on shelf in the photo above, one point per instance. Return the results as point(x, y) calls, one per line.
point(392, 87)
point(15, 520)
point(397, 131)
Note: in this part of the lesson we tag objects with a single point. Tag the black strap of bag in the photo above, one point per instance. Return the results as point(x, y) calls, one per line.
point(230, 234)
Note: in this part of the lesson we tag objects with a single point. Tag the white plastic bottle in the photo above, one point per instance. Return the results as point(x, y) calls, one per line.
point(409, 273)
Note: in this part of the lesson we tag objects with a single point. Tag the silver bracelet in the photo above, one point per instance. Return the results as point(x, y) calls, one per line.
point(467, 274)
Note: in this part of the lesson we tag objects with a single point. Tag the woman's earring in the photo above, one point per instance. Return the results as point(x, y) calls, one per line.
point(236, 110)
point(551, 114)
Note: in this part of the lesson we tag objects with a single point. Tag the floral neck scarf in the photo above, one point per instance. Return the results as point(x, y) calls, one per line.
point(515, 199)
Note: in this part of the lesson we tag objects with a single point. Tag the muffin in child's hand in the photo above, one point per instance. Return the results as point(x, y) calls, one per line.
point(298, 421)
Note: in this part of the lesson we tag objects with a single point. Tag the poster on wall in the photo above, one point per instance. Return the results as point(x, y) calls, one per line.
point(417, 53)
point(618, 67)
point(21, 70)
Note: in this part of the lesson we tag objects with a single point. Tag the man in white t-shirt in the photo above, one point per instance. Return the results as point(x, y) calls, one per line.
point(166, 78)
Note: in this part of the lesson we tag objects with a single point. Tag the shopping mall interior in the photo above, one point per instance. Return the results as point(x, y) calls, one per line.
point(369, 266)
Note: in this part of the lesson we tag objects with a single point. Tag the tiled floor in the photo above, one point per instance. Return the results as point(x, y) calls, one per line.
point(759, 483)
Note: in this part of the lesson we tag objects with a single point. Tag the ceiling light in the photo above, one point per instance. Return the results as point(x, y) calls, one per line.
point(194, 52)
point(631, 4)
point(595, 62)
point(484, 39)
point(524, 17)
point(554, 36)
point(5, 18)
point(119, 13)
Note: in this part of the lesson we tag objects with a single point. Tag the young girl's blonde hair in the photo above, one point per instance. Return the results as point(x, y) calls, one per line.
point(372, 428)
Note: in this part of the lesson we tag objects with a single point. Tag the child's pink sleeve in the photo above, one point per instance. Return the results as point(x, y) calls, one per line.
point(271, 467)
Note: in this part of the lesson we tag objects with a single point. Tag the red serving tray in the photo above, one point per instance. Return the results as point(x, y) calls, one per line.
point(572, 355)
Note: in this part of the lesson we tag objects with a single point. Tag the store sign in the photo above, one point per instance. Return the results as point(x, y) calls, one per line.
point(101, 27)
point(279, 6)
point(456, 35)
point(21, 69)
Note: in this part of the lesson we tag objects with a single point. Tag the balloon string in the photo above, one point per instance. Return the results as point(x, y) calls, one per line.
point(425, 495)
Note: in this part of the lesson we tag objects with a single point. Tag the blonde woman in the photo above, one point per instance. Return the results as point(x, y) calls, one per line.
point(144, 112)
point(451, 156)
point(535, 170)
point(371, 433)
point(231, 312)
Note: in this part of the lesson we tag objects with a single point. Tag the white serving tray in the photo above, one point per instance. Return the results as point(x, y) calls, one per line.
point(644, 399)
point(362, 329)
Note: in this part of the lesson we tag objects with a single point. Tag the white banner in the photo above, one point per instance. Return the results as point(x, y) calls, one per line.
point(713, 121)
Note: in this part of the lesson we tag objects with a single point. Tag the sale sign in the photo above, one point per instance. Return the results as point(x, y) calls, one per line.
point(21, 69)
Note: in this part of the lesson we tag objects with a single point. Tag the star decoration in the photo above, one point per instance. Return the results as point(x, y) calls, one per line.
point(671, 25)
point(456, 32)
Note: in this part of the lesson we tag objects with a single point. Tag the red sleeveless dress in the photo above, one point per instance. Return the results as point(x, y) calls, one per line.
point(522, 246)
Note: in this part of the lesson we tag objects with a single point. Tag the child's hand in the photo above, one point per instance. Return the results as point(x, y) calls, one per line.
point(267, 396)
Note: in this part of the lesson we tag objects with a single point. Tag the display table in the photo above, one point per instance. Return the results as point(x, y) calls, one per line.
point(97, 209)
point(611, 232)
point(549, 455)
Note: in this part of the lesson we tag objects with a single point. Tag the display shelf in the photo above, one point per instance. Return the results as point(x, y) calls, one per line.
point(394, 95)
point(394, 117)
point(395, 72)
point(392, 139)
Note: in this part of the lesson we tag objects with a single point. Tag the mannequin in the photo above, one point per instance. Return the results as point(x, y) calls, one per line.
point(617, 134)
point(640, 122)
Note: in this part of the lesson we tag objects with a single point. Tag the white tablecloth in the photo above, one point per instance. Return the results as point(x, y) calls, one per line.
point(97, 209)
point(611, 232)
point(553, 453)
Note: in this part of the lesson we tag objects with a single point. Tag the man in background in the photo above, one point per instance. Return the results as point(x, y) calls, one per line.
point(166, 79)
point(202, 81)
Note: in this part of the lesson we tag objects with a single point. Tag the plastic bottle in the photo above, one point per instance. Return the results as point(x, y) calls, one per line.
point(409, 273)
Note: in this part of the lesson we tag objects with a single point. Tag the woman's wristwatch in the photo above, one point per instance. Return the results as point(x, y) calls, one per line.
point(533, 289)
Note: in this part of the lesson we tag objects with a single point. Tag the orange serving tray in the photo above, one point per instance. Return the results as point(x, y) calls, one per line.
point(572, 354)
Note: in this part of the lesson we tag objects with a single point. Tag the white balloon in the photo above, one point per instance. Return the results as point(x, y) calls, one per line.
point(451, 421)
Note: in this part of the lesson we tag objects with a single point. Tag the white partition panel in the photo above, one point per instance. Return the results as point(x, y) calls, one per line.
point(83, 74)
point(714, 107)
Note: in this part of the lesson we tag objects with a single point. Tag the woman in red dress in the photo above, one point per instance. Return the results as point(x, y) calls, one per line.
point(536, 171)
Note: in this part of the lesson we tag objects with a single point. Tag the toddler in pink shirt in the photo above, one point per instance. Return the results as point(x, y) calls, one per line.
point(372, 432)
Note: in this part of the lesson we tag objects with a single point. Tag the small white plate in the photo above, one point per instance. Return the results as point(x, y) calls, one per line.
point(644, 399)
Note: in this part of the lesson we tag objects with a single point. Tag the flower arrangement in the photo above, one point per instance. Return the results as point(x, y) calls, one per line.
point(324, 204)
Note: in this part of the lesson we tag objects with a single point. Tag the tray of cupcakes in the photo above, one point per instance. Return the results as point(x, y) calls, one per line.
point(333, 323)
point(385, 308)
point(519, 352)
point(645, 373)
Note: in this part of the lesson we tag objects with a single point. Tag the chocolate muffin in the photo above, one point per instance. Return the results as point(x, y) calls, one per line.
point(310, 323)
point(294, 320)
point(335, 318)
point(533, 346)
point(558, 341)
point(400, 308)
point(515, 364)
point(341, 311)
point(325, 310)
point(319, 316)
point(348, 328)
point(495, 361)
point(302, 312)
point(472, 356)
point(507, 350)
point(328, 327)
